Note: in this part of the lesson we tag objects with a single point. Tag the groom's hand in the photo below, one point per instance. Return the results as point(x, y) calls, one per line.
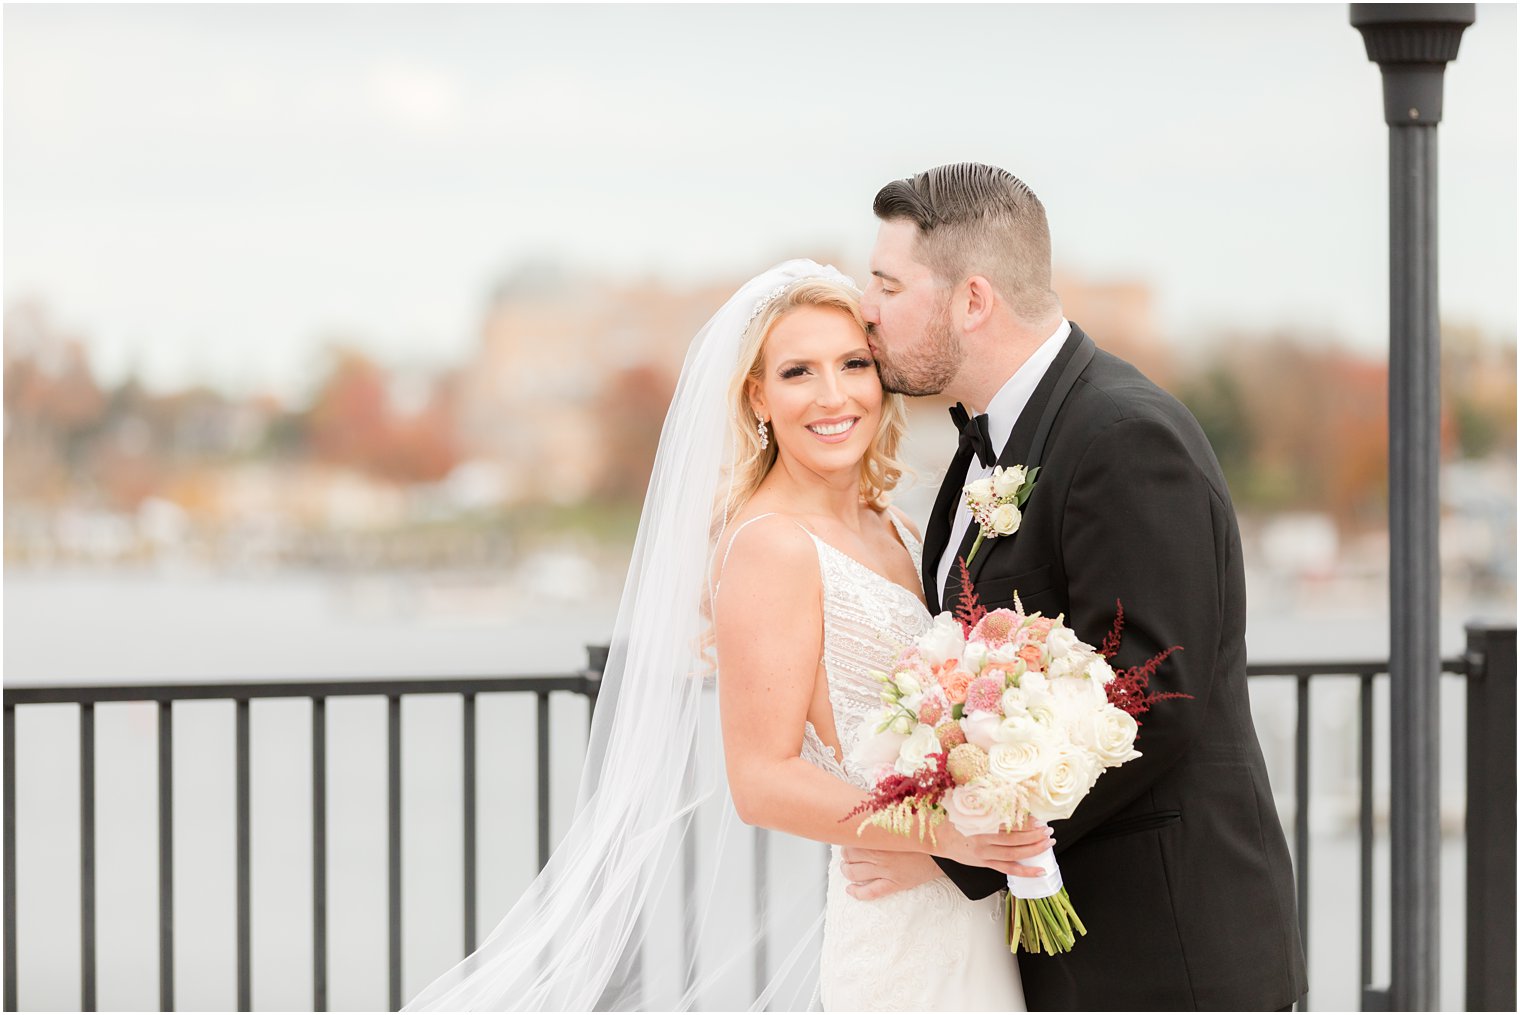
point(877, 873)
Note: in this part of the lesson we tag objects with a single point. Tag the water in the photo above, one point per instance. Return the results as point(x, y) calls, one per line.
point(91, 626)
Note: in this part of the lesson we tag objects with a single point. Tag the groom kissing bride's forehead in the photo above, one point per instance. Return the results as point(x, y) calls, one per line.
point(1177, 860)
point(770, 558)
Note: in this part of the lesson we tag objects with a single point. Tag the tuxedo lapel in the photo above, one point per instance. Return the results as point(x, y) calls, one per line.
point(1033, 425)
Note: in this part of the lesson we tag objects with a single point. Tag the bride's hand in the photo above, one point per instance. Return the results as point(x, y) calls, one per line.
point(1001, 852)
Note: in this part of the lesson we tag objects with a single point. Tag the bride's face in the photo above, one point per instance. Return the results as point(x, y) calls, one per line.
point(819, 389)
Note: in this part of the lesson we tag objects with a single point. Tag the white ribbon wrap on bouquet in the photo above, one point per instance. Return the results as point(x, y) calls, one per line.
point(1042, 887)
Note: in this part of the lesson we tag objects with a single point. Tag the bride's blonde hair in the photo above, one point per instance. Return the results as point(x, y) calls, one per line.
point(879, 468)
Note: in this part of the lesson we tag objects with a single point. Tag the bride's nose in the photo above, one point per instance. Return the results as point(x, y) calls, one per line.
point(830, 391)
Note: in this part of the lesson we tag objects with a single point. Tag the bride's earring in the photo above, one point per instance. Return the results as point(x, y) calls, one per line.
point(765, 436)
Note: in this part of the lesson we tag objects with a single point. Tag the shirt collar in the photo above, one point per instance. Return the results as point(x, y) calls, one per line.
point(1008, 404)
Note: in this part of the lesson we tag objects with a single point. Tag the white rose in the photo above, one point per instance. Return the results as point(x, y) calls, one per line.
point(1006, 482)
point(981, 728)
point(943, 641)
point(914, 752)
point(980, 492)
point(1013, 703)
point(1099, 671)
point(1017, 728)
point(1109, 733)
point(976, 808)
point(1069, 773)
point(1005, 519)
point(1083, 694)
point(1060, 641)
point(1041, 705)
point(907, 682)
point(876, 750)
point(1066, 667)
point(1033, 682)
point(974, 658)
point(1016, 761)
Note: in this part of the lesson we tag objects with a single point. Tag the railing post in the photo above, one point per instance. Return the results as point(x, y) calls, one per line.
point(542, 841)
point(318, 854)
point(166, 855)
point(10, 858)
point(1301, 819)
point(596, 664)
point(244, 861)
point(1490, 818)
point(468, 792)
point(87, 855)
point(393, 851)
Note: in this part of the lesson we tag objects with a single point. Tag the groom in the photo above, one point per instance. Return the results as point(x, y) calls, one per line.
point(1176, 861)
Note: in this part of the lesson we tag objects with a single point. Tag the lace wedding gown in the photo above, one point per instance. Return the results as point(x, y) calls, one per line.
point(929, 948)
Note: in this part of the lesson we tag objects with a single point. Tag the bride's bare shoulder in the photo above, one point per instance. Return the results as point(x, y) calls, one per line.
point(767, 534)
point(770, 549)
point(907, 522)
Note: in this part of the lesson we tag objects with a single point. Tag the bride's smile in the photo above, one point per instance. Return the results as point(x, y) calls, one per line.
point(832, 431)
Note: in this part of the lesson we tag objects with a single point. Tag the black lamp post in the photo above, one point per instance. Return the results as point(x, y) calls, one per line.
point(1412, 43)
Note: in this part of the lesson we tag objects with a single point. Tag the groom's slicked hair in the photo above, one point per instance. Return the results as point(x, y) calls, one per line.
point(975, 219)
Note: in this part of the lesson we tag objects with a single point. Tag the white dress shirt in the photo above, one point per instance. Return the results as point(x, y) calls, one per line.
point(1002, 413)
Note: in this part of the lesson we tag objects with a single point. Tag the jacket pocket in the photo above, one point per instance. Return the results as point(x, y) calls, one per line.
point(996, 592)
point(1138, 823)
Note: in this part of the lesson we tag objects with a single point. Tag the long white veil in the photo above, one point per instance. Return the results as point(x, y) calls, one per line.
point(658, 897)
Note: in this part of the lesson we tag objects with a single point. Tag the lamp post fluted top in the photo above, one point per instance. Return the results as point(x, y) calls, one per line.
point(1412, 43)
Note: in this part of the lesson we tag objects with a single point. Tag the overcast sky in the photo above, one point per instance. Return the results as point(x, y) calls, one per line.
point(214, 191)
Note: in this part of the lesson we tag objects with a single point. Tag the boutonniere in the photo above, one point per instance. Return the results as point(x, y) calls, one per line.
point(995, 500)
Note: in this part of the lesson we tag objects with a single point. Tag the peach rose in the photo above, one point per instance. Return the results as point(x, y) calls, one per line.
point(955, 683)
point(1033, 656)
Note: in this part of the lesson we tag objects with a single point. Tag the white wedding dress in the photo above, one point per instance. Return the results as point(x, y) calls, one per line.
point(929, 948)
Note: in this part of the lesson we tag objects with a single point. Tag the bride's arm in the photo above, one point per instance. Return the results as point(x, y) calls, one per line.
point(769, 625)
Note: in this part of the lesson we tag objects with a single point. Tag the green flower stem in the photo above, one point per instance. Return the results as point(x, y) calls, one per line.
point(1048, 925)
point(980, 535)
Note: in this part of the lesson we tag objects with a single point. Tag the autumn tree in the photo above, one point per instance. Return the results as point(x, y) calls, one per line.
point(630, 411)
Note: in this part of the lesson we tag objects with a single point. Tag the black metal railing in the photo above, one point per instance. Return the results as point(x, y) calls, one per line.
point(1488, 664)
point(242, 692)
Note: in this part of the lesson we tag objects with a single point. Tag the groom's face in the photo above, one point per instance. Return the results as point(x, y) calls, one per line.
point(907, 310)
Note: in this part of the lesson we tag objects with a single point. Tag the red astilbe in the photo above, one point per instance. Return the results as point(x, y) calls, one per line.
point(899, 803)
point(1130, 690)
point(1110, 646)
point(970, 610)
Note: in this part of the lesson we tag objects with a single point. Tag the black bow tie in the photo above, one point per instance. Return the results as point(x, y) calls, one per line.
point(975, 434)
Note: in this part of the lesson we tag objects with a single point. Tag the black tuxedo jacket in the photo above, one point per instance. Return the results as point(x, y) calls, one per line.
point(1176, 861)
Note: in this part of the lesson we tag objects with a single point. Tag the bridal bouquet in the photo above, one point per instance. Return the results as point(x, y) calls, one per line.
point(993, 718)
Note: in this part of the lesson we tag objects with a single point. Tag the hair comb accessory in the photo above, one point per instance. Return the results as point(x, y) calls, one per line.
point(829, 273)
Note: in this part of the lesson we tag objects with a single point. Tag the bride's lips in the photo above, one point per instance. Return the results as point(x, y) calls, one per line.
point(838, 429)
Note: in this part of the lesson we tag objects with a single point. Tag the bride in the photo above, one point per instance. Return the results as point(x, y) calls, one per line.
point(769, 562)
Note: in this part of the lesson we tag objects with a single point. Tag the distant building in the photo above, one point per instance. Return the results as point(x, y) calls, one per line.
point(549, 342)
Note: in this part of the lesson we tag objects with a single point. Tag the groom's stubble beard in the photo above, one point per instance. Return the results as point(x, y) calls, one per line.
point(930, 367)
